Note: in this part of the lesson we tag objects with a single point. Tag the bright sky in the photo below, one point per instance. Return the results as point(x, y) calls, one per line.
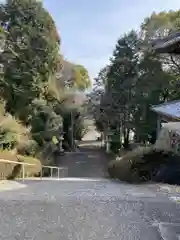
point(89, 28)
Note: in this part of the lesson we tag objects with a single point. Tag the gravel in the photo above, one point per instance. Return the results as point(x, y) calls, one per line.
point(89, 209)
point(84, 207)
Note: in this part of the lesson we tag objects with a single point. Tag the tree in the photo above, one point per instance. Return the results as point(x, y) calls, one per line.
point(81, 80)
point(37, 92)
point(13, 134)
point(159, 78)
point(151, 89)
point(74, 76)
point(136, 79)
point(117, 102)
point(160, 25)
point(94, 98)
point(30, 60)
point(31, 53)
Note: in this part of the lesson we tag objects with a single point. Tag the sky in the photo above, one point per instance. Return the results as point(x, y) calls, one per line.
point(89, 29)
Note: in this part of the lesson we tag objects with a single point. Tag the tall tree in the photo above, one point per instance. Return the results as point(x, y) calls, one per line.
point(152, 88)
point(31, 53)
point(121, 81)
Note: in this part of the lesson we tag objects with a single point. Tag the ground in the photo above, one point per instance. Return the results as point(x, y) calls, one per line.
point(88, 161)
point(87, 205)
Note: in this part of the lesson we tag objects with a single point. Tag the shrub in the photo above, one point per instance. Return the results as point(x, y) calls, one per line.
point(120, 169)
point(141, 164)
point(12, 132)
point(29, 148)
point(150, 163)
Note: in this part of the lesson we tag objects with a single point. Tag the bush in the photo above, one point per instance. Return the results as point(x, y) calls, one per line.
point(142, 164)
point(12, 131)
point(122, 168)
point(151, 163)
point(8, 169)
point(29, 148)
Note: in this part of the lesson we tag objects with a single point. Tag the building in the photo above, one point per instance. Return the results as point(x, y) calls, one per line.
point(167, 112)
point(169, 44)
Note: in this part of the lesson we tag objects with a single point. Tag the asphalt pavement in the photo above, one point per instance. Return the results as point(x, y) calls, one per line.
point(85, 205)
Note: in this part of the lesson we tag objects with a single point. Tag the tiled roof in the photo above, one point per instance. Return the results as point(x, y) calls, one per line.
point(171, 109)
point(169, 44)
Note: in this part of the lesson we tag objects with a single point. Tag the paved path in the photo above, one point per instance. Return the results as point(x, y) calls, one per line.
point(88, 161)
point(89, 208)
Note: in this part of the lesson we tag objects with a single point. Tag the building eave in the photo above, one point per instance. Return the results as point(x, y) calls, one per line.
point(169, 44)
point(153, 108)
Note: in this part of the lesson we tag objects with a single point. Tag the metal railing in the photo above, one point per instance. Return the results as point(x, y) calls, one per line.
point(23, 172)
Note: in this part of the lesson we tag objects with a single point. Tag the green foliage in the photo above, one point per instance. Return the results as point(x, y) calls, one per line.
point(75, 76)
point(80, 128)
point(81, 78)
point(44, 122)
point(12, 132)
point(117, 101)
point(36, 96)
point(135, 79)
point(141, 164)
point(30, 53)
point(29, 148)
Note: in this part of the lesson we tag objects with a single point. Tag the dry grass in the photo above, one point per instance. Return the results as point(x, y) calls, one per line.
point(9, 124)
point(6, 169)
point(12, 131)
point(14, 135)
